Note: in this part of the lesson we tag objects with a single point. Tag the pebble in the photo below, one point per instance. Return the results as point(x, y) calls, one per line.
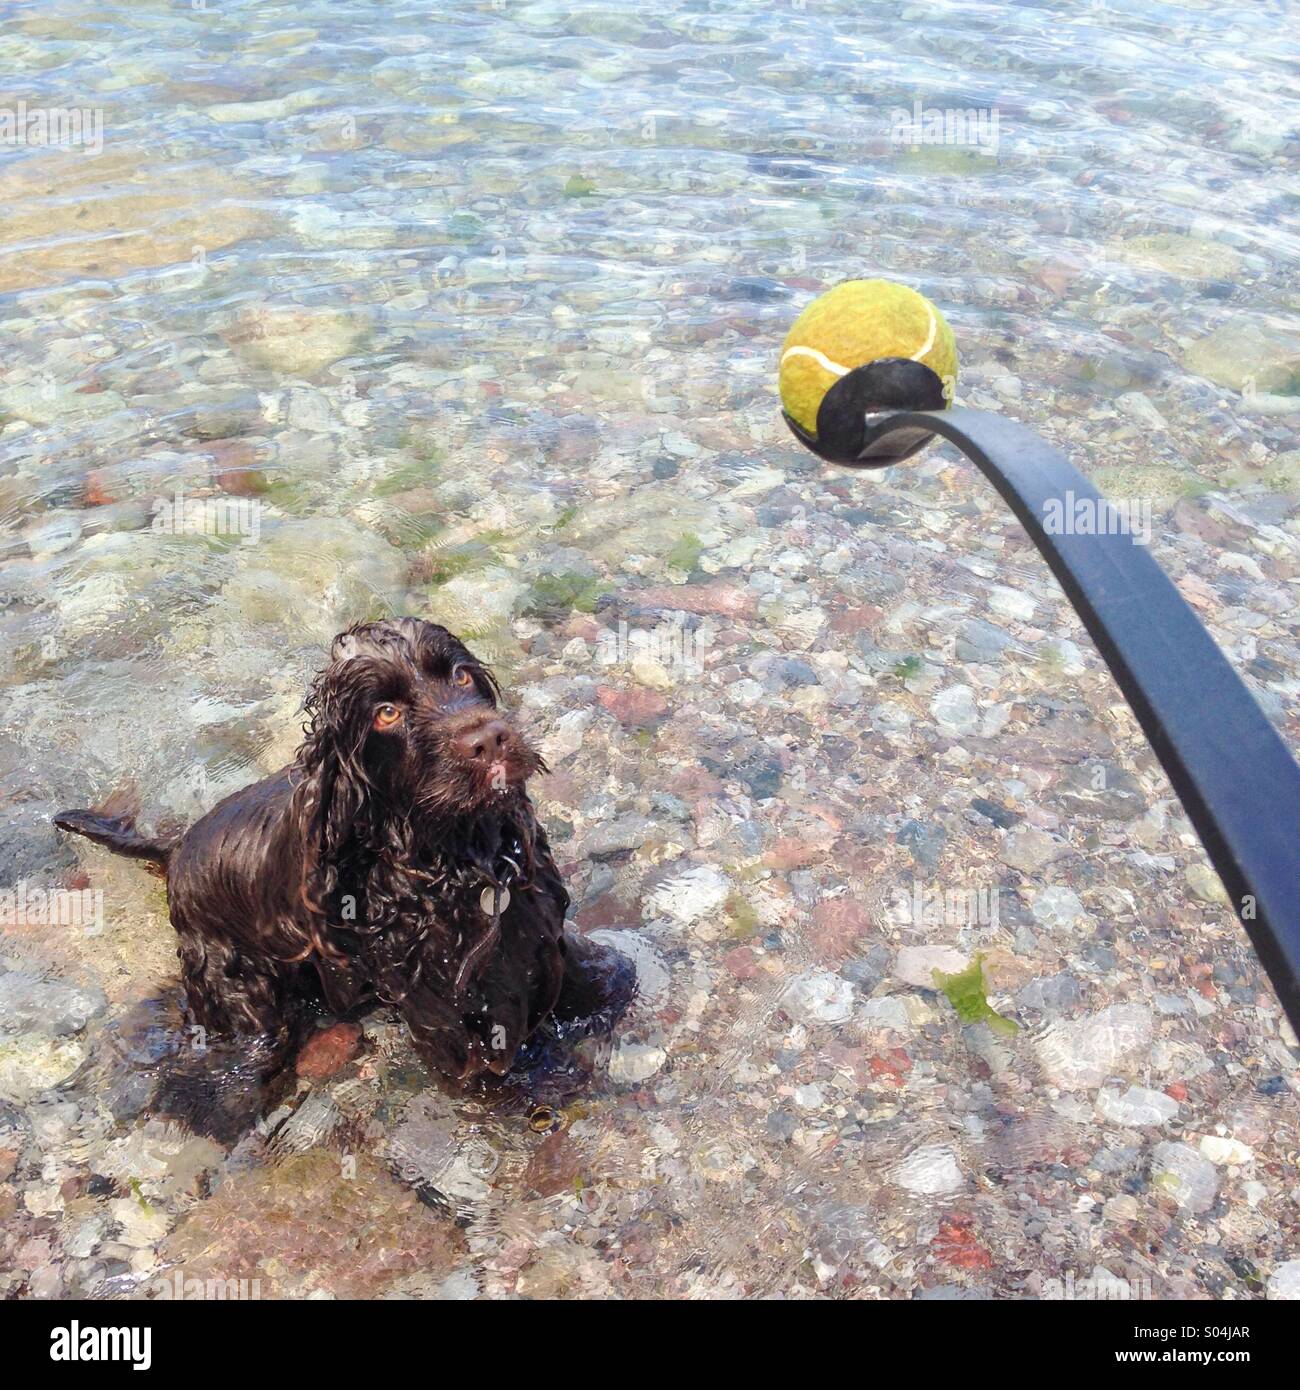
point(979, 640)
point(328, 1050)
point(1180, 1172)
point(1245, 348)
point(915, 965)
point(955, 710)
point(1222, 1151)
point(1136, 1106)
point(930, 1171)
point(818, 996)
point(1206, 885)
point(926, 843)
point(887, 1011)
point(1284, 1282)
point(293, 341)
point(1121, 1209)
point(1030, 850)
point(689, 898)
point(1001, 816)
point(635, 708)
point(458, 1287)
point(566, 736)
point(891, 720)
point(837, 925)
point(29, 1004)
point(1102, 789)
point(1055, 906)
point(1011, 603)
point(1056, 994)
point(618, 836)
point(31, 1063)
point(633, 1062)
point(140, 1225)
point(271, 110)
point(1080, 1054)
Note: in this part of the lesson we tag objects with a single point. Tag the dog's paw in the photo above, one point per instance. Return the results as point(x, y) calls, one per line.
point(599, 981)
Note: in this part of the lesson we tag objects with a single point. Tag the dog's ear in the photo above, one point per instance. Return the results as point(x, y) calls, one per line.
point(494, 685)
point(331, 798)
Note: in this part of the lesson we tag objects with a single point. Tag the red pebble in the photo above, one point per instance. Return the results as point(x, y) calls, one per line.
point(636, 708)
point(96, 491)
point(837, 923)
point(723, 600)
point(328, 1050)
point(742, 963)
point(888, 1069)
point(956, 1244)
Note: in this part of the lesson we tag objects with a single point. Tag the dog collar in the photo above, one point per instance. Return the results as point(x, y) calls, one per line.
point(495, 897)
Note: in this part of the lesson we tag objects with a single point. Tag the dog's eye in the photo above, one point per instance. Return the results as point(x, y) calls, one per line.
point(386, 716)
point(463, 677)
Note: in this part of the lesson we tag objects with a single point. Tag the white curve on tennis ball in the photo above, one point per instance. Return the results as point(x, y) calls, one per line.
point(834, 367)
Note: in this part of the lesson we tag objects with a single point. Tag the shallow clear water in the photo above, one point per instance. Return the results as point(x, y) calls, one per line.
point(475, 315)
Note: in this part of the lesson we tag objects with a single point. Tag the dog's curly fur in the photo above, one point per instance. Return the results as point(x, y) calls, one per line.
point(355, 875)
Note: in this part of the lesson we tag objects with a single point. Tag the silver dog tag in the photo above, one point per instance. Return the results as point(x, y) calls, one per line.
point(489, 901)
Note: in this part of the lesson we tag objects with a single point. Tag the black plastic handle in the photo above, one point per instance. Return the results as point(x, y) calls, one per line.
point(1237, 781)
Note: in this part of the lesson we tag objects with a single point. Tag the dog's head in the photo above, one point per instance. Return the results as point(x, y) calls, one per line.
point(407, 760)
point(408, 715)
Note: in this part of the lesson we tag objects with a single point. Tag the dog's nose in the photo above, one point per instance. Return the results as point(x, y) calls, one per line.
point(482, 743)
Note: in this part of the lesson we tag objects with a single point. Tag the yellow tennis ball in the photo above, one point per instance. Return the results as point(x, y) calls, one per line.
point(853, 324)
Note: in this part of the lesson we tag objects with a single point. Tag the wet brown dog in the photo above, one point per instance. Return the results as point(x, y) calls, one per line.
point(397, 860)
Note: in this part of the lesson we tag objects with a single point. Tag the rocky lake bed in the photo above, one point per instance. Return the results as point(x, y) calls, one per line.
point(349, 320)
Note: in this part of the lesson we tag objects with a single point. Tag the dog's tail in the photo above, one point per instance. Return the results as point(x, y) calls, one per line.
point(113, 825)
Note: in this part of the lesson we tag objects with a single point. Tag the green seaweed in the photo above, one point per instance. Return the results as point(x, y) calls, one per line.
point(465, 226)
point(965, 992)
point(948, 159)
point(554, 596)
point(579, 186)
point(909, 667)
point(441, 561)
point(742, 920)
point(289, 495)
point(412, 472)
point(685, 555)
point(412, 530)
point(1051, 661)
